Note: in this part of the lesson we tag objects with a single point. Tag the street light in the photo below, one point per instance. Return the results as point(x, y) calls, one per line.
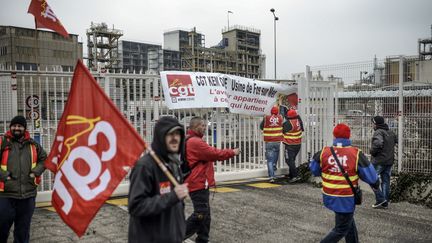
point(229, 12)
point(275, 19)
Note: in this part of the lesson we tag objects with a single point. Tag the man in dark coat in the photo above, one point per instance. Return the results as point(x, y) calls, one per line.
point(382, 152)
point(22, 164)
point(156, 207)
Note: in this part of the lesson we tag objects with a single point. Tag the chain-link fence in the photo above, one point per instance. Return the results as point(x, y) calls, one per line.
point(367, 89)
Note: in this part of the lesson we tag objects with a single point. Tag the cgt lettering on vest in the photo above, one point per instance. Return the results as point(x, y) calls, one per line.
point(89, 184)
point(332, 162)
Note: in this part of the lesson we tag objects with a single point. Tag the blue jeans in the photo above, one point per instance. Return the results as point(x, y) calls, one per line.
point(18, 212)
point(291, 152)
point(272, 156)
point(344, 227)
point(384, 173)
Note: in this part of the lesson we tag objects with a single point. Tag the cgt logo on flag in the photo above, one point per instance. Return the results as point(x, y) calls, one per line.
point(45, 17)
point(93, 146)
point(83, 156)
point(180, 87)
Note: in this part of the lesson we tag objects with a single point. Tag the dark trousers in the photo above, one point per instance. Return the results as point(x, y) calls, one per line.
point(18, 212)
point(345, 227)
point(199, 221)
point(291, 152)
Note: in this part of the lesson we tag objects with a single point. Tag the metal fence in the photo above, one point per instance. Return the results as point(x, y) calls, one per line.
point(351, 93)
point(41, 97)
point(367, 89)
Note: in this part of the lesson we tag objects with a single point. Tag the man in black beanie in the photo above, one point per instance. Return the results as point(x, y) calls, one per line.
point(382, 152)
point(22, 164)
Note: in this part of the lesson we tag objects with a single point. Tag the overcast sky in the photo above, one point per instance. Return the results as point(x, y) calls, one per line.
point(309, 32)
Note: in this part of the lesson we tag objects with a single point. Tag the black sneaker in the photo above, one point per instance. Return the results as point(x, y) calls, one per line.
point(382, 204)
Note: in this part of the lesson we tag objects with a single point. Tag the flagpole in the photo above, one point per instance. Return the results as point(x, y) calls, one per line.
point(37, 45)
point(163, 167)
point(228, 19)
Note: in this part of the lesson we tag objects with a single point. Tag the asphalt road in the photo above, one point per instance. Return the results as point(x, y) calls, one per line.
point(285, 213)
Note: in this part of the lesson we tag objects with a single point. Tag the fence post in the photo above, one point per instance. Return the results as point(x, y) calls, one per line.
point(400, 113)
point(219, 137)
point(107, 86)
point(308, 78)
point(14, 92)
point(156, 97)
point(301, 83)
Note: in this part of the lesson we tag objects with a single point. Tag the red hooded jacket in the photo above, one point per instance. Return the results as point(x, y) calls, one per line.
point(201, 157)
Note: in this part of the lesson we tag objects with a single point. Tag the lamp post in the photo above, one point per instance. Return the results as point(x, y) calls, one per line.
point(275, 19)
point(229, 12)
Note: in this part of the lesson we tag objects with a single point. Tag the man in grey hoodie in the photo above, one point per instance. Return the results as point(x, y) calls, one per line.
point(382, 152)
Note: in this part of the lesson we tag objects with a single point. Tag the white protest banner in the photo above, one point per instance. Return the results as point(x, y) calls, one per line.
point(193, 90)
point(253, 97)
point(213, 90)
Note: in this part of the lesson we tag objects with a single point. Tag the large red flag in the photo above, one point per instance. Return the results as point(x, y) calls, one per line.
point(45, 17)
point(93, 149)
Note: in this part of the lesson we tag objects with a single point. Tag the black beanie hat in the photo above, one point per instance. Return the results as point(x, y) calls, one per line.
point(378, 120)
point(19, 120)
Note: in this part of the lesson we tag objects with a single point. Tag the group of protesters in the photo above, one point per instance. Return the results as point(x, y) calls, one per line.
point(340, 166)
point(275, 131)
point(156, 204)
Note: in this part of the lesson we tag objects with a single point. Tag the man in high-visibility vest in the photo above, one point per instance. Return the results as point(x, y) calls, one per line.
point(292, 134)
point(22, 164)
point(337, 193)
point(272, 132)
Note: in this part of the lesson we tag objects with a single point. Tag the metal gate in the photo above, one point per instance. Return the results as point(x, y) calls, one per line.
point(317, 107)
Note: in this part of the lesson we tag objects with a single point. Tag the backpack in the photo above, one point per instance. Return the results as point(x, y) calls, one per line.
point(185, 168)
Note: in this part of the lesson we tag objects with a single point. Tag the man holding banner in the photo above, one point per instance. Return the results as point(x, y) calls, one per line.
point(156, 206)
point(272, 133)
point(201, 157)
point(292, 133)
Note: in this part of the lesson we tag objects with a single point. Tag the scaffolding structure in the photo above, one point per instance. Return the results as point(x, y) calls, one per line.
point(103, 44)
point(425, 48)
point(238, 53)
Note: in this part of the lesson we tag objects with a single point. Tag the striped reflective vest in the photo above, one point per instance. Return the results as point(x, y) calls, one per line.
point(4, 151)
point(333, 181)
point(272, 130)
point(293, 136)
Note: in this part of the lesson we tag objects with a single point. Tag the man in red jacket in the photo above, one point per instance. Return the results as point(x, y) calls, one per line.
point(201, 157)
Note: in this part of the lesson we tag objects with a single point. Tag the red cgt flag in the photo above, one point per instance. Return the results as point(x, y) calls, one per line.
point(45, 17)
point(93, 149)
